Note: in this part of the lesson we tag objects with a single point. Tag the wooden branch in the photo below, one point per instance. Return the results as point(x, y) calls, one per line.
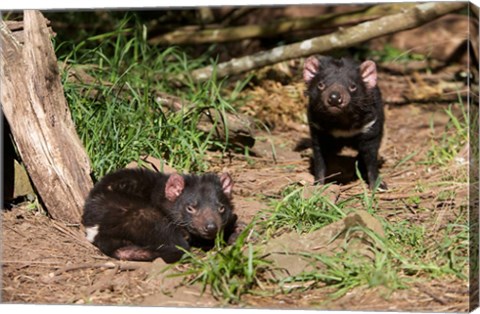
point(108, 265)
point(410, 18)
point(34, 104)
point(190, 35)
point(396, 196)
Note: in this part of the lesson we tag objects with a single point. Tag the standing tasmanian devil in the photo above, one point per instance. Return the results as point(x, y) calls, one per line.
point(345, 109)
point(138, 214)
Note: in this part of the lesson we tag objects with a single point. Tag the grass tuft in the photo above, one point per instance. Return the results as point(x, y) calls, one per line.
point(304, 214)
point(227, 272)
point(452, 140)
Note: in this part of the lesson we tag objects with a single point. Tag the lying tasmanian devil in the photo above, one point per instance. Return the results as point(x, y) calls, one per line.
point(345, 109)
point(138, 214)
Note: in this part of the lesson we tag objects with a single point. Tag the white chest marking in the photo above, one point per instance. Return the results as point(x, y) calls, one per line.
point(353, 132)
point(91, 233)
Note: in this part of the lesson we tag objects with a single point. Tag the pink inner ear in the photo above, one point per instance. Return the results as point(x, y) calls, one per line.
point(174, 187)
point(368, 70)
point(310, 68)
point(227, 183)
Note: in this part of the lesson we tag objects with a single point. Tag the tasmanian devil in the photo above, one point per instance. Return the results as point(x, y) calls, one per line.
point(345, 109)
point(138, 214)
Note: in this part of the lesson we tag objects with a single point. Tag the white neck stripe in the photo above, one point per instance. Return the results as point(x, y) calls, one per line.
point(353, 132)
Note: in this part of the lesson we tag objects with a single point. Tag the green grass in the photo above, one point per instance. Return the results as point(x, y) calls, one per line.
point(409, 252)
point(431, 253)
point(345, 270)
point(303, 214)
point(403, 257)
point(454, 137)
point(392, 54)
point(227, 272)
point(117, 115)
point(295, 211)
point(389, 54)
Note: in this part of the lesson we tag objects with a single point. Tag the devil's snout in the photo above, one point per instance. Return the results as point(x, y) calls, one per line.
point(336, 96)
point(335, 99)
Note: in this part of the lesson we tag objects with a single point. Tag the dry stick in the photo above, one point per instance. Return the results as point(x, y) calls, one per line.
point(187, 35)
point(431, 294)
point(14, 230)
point(409, 207)
point(410, 18)
point(104, 281)
point(29, 262)
point(108, 265)
point(75, 235)
point(390, 197)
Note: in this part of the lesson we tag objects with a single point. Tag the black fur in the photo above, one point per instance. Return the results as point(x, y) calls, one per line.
point(137, 221)
point(326, 118)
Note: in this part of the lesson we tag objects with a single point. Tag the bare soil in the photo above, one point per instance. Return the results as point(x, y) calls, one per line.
point(49, 262)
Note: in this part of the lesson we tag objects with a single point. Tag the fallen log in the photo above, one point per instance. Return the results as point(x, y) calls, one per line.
point(406, 19)
point(195, 35)
point(34, 105)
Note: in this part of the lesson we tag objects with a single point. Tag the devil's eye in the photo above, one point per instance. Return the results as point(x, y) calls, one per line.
point(191, 210)
point(221, 209)
point(352, 87)
point(321, 86)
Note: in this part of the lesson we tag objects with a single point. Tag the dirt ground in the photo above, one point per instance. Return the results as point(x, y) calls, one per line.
point(48, 262)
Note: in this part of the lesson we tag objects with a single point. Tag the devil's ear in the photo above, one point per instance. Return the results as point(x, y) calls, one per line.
point(368, 71)
point(310, 68)
point(227, 184)
point(174, 187)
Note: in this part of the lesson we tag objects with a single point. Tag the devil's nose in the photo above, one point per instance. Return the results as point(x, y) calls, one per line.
point(335, 98)
point(211, 228)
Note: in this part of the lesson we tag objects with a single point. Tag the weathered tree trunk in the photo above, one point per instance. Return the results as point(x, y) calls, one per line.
point(407, 19)
point(34, 104)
